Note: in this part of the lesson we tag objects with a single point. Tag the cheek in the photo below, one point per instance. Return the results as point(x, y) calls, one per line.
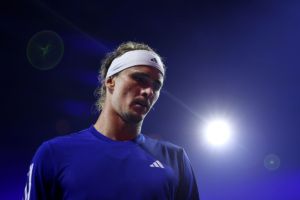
point(155, 97)
point(127, 92)
point(119, 93)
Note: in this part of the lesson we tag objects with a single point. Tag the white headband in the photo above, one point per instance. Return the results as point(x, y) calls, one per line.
point(133, 58)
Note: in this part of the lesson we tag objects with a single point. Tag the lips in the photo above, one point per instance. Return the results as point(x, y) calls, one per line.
point(142, 103)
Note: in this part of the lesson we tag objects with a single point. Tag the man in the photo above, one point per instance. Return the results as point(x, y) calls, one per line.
point(112, 159)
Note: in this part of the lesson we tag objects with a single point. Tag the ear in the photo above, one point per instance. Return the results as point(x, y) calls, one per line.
point(110, 83)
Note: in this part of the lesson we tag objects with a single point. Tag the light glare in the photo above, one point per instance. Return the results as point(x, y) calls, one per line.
point(218, 132)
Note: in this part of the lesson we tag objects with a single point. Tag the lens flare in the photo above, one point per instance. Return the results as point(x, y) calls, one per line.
point(218, 132)
point(272, 162)
point(45, 50)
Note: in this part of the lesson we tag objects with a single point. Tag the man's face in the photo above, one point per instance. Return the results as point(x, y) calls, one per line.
point(135, 91)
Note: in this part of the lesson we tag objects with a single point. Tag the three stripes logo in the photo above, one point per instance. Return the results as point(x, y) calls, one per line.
point(154, 60)
point(157, 164)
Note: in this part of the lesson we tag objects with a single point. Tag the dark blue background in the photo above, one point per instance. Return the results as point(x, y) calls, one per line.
point(238, 59)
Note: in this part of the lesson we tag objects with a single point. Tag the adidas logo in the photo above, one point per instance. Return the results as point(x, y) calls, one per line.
point(154, 60)
point(157, 164)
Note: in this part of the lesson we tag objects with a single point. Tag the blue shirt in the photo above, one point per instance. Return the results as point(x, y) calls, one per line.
point(88, 165)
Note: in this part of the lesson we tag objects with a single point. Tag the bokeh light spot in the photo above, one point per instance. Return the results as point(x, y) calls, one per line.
point(45, 50)
point(272, 162)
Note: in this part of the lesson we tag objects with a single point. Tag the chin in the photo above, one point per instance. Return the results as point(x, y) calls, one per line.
point(134, 118)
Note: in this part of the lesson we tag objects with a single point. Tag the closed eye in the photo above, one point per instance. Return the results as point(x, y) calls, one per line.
point(145, 80)
point(140, 79)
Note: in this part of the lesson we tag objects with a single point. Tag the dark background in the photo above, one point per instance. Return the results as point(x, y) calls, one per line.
point(235, 59)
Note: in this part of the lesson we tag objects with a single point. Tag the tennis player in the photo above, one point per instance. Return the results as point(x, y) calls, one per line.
point(112, 159)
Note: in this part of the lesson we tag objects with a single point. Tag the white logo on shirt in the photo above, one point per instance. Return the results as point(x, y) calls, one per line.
point(157, 164)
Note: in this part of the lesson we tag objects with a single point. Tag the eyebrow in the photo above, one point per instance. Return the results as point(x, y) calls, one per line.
point(157, 81)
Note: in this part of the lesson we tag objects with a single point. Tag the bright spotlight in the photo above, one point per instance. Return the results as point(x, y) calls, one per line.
point(217, 132)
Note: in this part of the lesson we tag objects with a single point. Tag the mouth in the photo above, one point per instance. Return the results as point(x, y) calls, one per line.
point(142, 103)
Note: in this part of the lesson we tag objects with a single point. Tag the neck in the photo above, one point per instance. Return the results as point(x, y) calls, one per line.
point(115, 128)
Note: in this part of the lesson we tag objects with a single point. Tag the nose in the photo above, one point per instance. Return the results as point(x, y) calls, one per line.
point(148, 92)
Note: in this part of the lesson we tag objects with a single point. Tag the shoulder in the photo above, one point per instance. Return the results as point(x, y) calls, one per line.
point(63, 144)
point(74, 136)
point(162, 144)
point(71, 139)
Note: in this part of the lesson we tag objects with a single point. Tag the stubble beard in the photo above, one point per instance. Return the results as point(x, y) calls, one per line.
point(134, 119)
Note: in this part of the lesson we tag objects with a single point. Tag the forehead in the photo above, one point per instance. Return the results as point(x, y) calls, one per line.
point(149, 71)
